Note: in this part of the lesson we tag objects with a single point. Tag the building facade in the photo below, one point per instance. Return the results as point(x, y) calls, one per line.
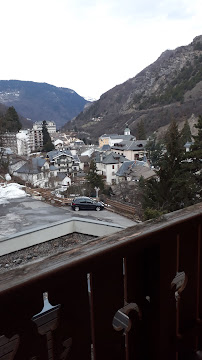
point(50, 125)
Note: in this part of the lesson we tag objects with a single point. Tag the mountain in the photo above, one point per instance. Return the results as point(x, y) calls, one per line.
point(41, 101)
point(169, 88)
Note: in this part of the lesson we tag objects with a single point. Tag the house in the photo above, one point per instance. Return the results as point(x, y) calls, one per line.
point(134, 170)
point(111, 139)
point(108, 165)
point(15, 163)
point(106, 149)
point(37, 171)
point(62, 160)
point(134, 149)
point(84, 162)
point(187, 146)
point(58, 144)
point(63, 180)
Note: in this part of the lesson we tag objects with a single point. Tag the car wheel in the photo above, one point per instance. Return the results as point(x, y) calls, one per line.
point(97, 208)
point(76, 208)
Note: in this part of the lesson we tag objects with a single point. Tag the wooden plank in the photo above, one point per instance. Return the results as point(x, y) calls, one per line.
point(149, 274)
point(135, 292)
point(188, 308)
point(107, 297)
point(83, 253)
point(8, 347)
point(73, 334)
point(17, 310)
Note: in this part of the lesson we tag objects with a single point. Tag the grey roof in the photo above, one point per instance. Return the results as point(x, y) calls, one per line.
point(52, 168)
point(134, 145)
point(111, 158)
point(136, 169)
point(84, 159)
point(106, 147)
point(81, 174)
point(76, 159)
point(188, 144)
point(32, 166)
point(125, 167)
point(61, 175)
point(116, 136)
point(144, 171)
point(57, 153)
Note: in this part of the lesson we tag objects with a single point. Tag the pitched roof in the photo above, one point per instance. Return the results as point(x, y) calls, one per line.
point(111, 158)
point(106, 147)
point(33, 166)
point(134, 145)
point(57, 153)
point(116, 136)
point(136, 169)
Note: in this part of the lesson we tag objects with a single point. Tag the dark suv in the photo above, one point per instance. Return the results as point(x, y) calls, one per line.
point(86, 203)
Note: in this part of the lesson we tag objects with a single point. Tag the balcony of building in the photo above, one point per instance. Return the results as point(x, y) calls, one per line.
point(136, 294)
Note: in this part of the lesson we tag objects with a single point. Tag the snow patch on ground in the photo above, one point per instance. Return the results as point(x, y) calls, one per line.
point(11, 191)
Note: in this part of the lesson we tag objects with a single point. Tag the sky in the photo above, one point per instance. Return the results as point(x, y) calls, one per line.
point(90, 46)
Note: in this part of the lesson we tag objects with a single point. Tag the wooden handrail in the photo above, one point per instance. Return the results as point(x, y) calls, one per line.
point(135, 266)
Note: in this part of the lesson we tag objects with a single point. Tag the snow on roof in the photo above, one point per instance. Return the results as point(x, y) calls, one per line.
point(58, 141)
point(87, 152)
point(11, 191)
point(22, 136)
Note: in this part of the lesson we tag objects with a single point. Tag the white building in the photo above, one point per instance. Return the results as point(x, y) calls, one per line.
point(51, 126)
point(108, 165)
point(23, 142)
point(38, 172)
point(111, 139)
point(133, 150)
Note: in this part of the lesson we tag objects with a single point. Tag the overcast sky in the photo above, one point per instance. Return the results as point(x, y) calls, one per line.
point(87, 45)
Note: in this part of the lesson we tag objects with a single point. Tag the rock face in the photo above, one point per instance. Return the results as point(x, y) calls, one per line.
point(41, 101)
point(169, 88)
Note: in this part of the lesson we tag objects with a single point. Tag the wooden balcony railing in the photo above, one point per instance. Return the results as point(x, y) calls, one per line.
point(143, 299)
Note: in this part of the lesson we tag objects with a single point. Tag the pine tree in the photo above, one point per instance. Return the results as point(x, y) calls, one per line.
point(154, 149)
point(186, 133)
point(194, 160)
point(47, 143)
point(173, 188)
point(10, 121)
point(93, 178)
point(141, 135)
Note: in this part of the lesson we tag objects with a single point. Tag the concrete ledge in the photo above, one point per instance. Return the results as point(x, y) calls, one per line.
point(39, 235)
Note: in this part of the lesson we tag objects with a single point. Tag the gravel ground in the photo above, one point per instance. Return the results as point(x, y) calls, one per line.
point(21, 257)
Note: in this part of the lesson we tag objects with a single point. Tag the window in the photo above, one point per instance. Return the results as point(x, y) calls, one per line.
point(112, 166)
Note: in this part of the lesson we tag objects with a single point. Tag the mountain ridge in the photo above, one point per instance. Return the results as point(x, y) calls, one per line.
point(41, 101)
point(170, 87)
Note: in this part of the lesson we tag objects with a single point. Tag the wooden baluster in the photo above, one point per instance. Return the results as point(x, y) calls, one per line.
point(73, 335)
point(47, 321)
point(107, 296)
point(8, 347)
point(188, 308)
point(17, 309)
point(199, 287)
point(135, 291)
point(148, 278)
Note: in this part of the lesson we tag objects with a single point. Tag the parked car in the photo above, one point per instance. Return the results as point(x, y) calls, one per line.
point(86, 203)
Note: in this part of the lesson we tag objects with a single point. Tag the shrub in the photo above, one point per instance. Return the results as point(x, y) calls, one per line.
point(152, 214)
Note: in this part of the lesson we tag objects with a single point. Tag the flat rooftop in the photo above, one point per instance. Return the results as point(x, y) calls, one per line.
point(24, 214)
